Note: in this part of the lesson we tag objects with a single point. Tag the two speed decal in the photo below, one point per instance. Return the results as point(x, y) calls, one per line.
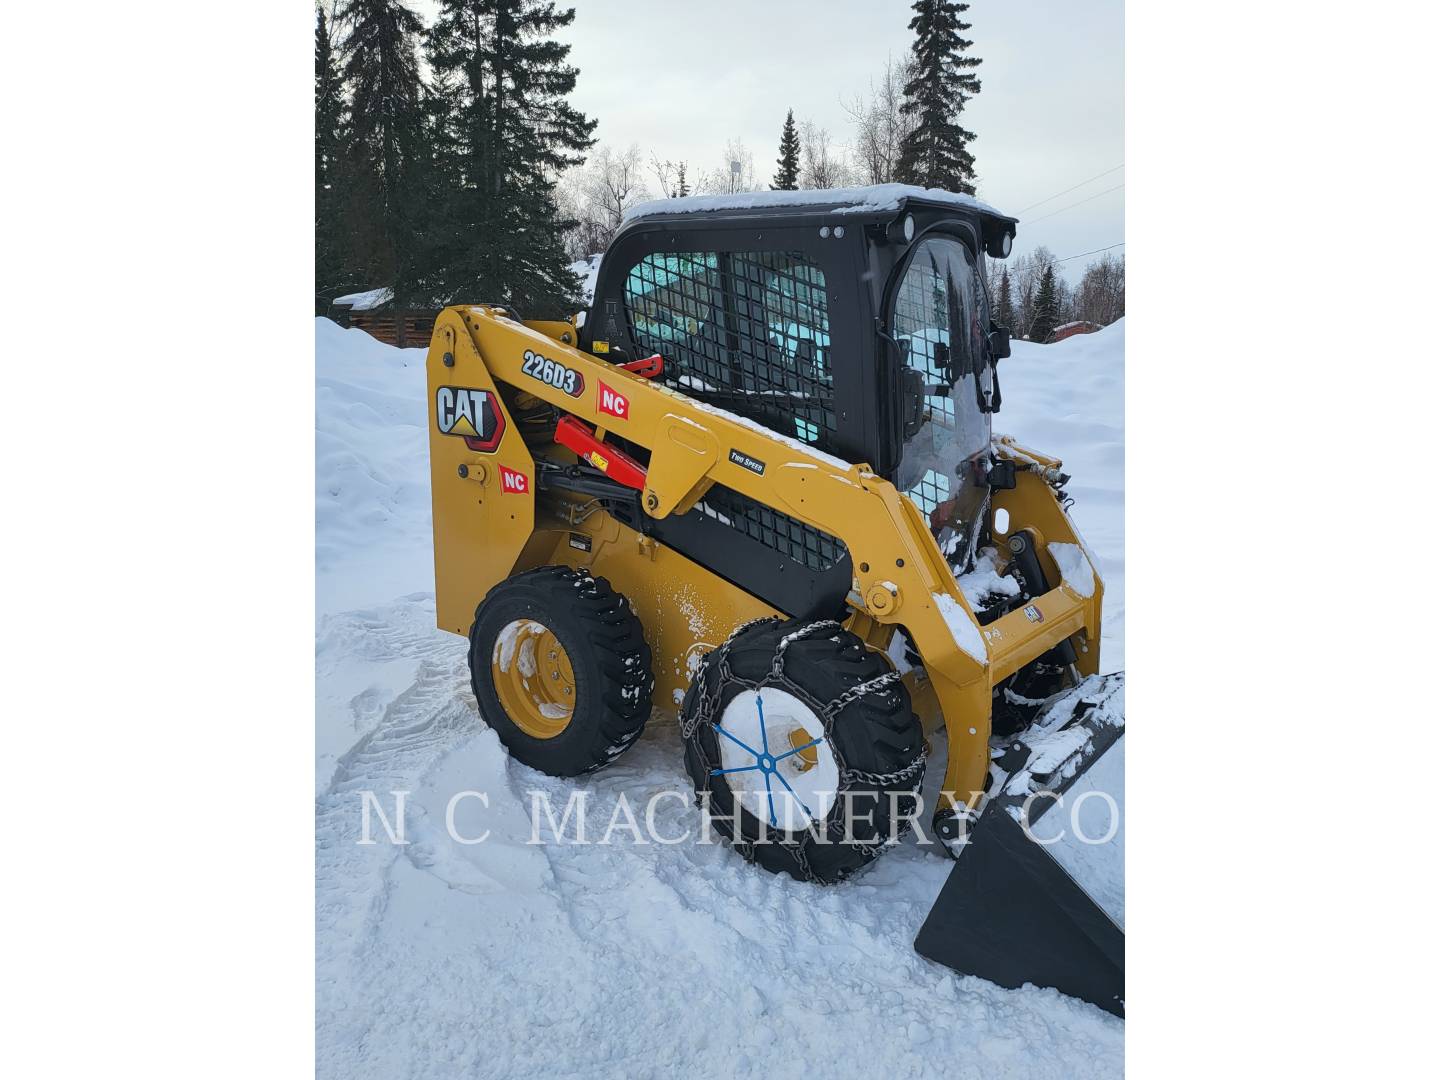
point(745, 461)
point(553, 373)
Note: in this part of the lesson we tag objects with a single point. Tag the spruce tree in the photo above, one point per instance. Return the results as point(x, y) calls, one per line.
point(515, 132)
point(386, 137)
point(1047, 308)
point(681, 187)
point(1004, 313)
point(329, 256)
point(444, 180)
point(936, 153)
point(787, 175)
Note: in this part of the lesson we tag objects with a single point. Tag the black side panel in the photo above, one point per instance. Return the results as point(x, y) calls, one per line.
point(1009, 913)
point(792, 567)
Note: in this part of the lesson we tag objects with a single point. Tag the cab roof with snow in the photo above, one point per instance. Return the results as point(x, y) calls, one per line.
point(884, 204)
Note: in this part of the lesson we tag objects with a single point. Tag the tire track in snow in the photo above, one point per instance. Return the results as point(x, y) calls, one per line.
point(413, 730)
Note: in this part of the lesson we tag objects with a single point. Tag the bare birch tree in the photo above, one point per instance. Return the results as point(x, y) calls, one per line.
point(614, 181)
point(671, 176)
point(736, 172)
point(596, 197)
point(822, 165)
point(1101, 295)
point(879, 124)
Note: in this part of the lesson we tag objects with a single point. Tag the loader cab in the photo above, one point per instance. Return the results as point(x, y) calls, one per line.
point(855, 321)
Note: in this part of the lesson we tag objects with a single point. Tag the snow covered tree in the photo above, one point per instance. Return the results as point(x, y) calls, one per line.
point(385, 142)
point(787, 173)
point(682, 189)
point(1004, 313)
point(1047, 308)
point(516, 134)
point(936, 153)
point(329, 251)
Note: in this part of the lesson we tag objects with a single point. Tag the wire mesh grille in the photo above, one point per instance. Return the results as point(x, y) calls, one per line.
point(746, 331)
point(816, 550)
point(932, 490)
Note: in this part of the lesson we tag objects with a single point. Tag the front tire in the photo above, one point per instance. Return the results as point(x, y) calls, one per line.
point(790, 729)
point(560, 670)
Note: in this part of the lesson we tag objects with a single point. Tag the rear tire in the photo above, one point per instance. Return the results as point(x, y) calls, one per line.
point(872, 744)
point(597, 656)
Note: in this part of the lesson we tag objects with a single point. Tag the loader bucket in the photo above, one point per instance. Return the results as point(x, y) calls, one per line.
point(1029, 900)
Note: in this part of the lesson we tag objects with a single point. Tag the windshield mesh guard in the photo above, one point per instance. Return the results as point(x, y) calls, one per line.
point(746, 331)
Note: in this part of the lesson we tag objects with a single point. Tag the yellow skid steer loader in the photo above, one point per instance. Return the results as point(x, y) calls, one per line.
point(755, 484)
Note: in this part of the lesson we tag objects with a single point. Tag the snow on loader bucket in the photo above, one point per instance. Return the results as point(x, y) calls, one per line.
point(1037, 893)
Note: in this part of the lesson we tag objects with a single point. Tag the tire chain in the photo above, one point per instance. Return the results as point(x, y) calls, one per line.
point(707, 705)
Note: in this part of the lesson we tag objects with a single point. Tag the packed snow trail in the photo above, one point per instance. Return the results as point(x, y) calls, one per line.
point(503, 958)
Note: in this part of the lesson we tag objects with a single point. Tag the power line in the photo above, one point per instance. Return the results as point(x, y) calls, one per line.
point(1097, 251)
point(1072, 206)
point(1067, 191)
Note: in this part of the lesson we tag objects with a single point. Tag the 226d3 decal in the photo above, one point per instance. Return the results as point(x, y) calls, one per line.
point(553, 373)
point(471, 414)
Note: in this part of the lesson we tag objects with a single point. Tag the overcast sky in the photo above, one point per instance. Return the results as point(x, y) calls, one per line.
point(681, 77)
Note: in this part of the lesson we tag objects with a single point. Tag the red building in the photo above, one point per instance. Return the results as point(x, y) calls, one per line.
point(1070, 329)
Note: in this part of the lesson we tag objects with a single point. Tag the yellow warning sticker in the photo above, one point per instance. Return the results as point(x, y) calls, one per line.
point(599, 346)
point(598, 461)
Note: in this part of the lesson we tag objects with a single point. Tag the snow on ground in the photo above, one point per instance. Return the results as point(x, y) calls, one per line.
point(503, 958)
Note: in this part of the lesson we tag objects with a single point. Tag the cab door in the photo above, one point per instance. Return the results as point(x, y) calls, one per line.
point(940, 318)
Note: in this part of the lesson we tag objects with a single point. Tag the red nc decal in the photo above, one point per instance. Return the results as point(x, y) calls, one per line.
point(613, 403)
point(512, 481)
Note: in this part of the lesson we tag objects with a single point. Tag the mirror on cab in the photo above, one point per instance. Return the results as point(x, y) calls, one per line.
point(999, 342)
point(912, 400)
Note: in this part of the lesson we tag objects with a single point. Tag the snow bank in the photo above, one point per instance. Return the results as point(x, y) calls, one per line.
point(372, 470)
point(855, 200)
point(1068, 399)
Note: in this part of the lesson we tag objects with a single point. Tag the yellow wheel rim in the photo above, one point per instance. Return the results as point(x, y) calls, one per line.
point(806, 756)
point(533, 678)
